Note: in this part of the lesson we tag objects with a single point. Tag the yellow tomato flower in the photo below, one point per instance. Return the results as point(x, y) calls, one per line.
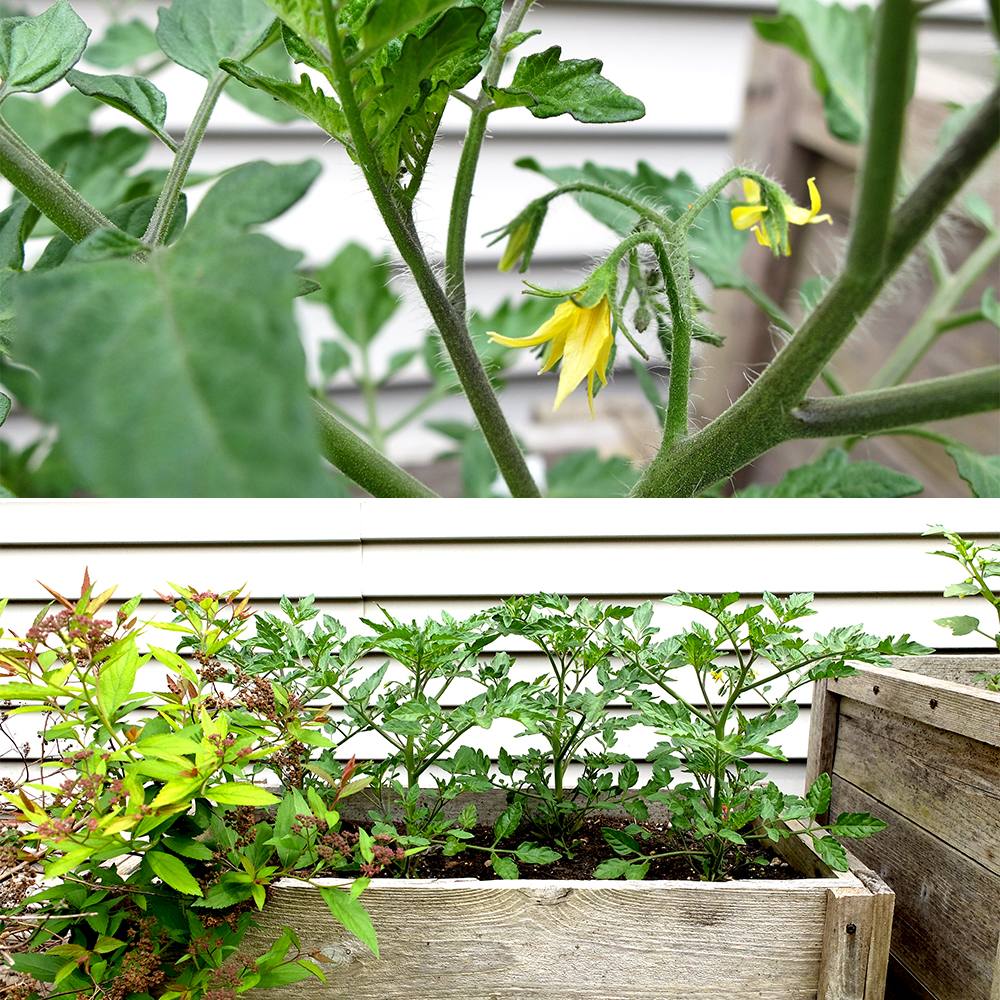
point(581, 337)
point(745, 216)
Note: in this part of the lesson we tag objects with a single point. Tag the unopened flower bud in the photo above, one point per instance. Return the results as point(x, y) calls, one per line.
point(641, 318)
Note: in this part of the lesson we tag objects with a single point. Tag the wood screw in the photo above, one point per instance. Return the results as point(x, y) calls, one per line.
point(851, 929)
point(874, 689)
point(933, 702)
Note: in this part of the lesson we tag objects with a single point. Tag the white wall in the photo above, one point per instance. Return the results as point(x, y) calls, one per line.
point(864, 559)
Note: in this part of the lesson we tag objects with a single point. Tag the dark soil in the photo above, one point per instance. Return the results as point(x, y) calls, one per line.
point(589, 852)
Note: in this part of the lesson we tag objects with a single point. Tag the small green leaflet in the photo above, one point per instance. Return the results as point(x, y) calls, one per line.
point(981, 472)
point(36, 52)
point(123, 43)
point(351, 914)
point(239, 794)
point(834, 475)
point(550, 86)
point(133, 95)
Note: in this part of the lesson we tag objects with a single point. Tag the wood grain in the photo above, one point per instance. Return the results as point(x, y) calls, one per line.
point(942, 781)
point(946, 922)
point(940, 703)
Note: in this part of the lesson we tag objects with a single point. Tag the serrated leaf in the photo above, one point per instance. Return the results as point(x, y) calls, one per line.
point(123, 43)
point(133, 95)
point(198, 34)
point(36, 52)
point(571, 86)
point(508, 821)
point(272, 62)
point(612, 868)
point(388, 19)
point(818, 795)
point(834, 475)
point(536, 854)
point(504, 867)
point(586, 474)
point(106, 244)
point(173, 872)
point(239, 794)
point(981, 472)
point(857, 825)
point(959, 624)
point(349, 912)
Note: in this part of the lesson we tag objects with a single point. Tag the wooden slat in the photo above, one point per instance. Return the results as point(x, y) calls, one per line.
point(847, 936)
point(822, 735)
point(447, 940)
point(944, 782)
point(945, 926)
point(939, 703)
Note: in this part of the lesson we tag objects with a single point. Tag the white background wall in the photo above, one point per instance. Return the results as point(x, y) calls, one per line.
point(865, 560)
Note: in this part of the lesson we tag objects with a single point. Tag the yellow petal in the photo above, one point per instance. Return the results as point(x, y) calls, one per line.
point(746, 215)
point(587, 349)
point(761, 235)
point(751, 189)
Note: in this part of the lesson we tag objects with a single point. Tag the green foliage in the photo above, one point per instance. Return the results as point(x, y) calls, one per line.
point(981, 472)
point(549, 86)
point(123, 43)
point(136, 97)
point(585, 474)
point(835, 41)
point(36, 52)
point(216, 295)
point(169, 789)
point(835, 475)
point(981, 562)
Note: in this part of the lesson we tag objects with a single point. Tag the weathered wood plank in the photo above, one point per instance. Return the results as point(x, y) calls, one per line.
point(959, 669)
point(947, 912)
point(939, 703)
point(944, 782)
point(822, 734)
point(573, 940)
point(847, 936)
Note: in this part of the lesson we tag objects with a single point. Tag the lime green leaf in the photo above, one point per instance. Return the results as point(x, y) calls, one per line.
point(332, 358)
point(570, 86)
point(173, 872)
point(36, 52)
point(351, 914)
point(585, 474)
point(834, 475)
point(132, 95)
point(114, 684)
point(857, 825)
point(959, 624)
point(981, 472)
point(238, 794)
point(355, 285)
point(989, 307)
point(171, 414)
point(272, 62)
point(123, 43)
point(197, 34)
point(188, 848)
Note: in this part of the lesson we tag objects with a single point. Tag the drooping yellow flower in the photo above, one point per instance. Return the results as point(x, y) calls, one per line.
point(581, 337)
point(745, 216)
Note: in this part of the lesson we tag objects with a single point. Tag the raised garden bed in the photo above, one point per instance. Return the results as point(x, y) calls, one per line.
point(822, 935)
point(920, 748)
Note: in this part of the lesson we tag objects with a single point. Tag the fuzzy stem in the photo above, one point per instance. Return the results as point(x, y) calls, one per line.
point(450, 323)
point(166, 204)
point(46, 189)
point(359, 461)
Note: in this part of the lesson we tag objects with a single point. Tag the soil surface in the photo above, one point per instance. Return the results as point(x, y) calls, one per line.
point(589, 852)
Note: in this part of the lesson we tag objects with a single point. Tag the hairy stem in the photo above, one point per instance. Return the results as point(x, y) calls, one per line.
point(46, 189)
point(450, 322)
point(166, 204)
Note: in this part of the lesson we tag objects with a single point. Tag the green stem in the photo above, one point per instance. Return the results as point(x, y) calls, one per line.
point(166, 204)
point(877, 182)
point(928, 327)
point(896, 406)
point(450, 323)
point(46, 189)
point(359, 461)
point(959, 320)
point(435, 395)
point(458, 223)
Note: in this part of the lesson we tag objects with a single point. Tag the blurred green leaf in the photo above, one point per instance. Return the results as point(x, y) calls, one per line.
point(184, 376)
point(834, 475)
point(36, 52)
point(981, 472)
point(356, 287)
point(332, 358)
point(989, 307)
point(273, 63)
point(550, 86)
point(123, 43)
point(197, 34)
point(39, 124)
point(388, 19)
point(585, 474)
point(132, 95)
point(959, 624)
point(835, 41)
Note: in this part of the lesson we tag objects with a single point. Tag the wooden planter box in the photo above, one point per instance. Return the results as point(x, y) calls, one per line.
point(921, 750)
point(825, 935)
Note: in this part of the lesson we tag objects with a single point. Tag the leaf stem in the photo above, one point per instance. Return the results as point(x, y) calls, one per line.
point(166, 204)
